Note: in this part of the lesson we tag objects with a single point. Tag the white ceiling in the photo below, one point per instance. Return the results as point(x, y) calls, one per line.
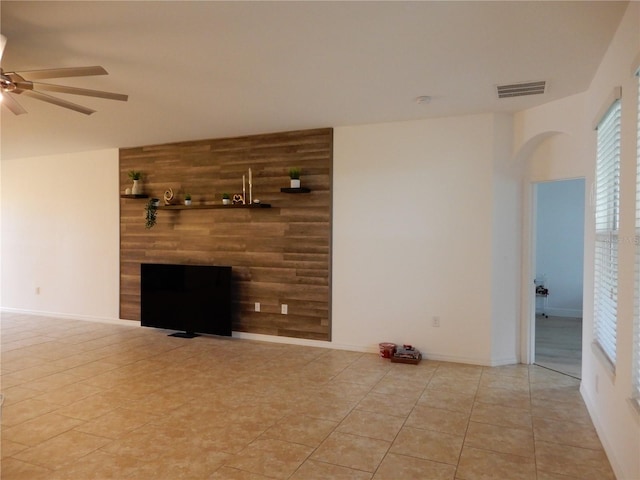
point(197, 70)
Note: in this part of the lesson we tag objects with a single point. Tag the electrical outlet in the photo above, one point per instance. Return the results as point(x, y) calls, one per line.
point(435, 322)
point(284, 309)
point(37, 290)
point(257, 306)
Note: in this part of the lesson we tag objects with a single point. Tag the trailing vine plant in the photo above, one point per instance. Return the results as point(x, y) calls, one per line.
point(152, 211)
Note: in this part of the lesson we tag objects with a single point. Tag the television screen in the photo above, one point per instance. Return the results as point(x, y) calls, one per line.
point(189, 298)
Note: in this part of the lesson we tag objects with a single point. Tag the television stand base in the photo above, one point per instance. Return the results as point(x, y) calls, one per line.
point(184, 335)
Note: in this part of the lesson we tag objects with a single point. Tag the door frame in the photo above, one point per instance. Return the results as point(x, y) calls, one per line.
point(529, 248)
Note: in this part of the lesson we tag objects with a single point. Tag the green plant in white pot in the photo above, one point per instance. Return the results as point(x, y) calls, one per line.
point(187, 199)
point(137, 184)
point(225, 199)
point(294, 176)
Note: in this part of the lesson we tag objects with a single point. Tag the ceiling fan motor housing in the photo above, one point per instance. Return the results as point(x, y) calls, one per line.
point(6, 84)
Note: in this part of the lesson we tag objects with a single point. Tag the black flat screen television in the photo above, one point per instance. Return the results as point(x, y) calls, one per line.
point(189, 298)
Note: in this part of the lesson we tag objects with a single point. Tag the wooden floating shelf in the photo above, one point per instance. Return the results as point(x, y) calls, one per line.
point(295, 190)
point(255, 206)
point(141, 195)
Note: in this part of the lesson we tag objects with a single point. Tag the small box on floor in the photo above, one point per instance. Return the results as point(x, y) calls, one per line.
point(406, 354)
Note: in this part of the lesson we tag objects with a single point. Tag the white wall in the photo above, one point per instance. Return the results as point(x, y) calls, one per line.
point(505, 245)
point(560, 244)
point(572, 154)
point(60, 233)
point(412, 236)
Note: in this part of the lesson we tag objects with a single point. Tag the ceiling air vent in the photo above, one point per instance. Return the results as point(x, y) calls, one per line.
point(521, 89)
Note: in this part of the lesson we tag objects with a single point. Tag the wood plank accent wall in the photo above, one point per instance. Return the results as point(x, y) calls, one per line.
point(280, 255)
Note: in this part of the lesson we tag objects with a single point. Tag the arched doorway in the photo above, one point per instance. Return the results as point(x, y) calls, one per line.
point(550, 156)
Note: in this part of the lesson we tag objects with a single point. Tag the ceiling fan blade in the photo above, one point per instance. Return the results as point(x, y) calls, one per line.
point(57, 101)
point(3, 43)
point(12, 104)
point(63, 72)
point(74, 91)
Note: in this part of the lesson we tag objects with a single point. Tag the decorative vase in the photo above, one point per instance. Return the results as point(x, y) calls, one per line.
point(295, 183)
point(137, 188)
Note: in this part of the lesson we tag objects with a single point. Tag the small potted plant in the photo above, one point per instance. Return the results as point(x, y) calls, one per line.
point(151, 212)
point(225, 199)
point(294, 175)
point(187, 199)
point(137, 187)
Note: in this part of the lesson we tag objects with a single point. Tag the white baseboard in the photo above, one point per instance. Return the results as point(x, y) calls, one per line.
point(371, 349)
point(71, 316)
point(562, 312)
point(471, 361)
point(499, 362)
point(606, 444)
point(303, 342)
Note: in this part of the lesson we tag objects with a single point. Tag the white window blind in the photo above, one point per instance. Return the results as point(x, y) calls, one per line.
point(636, 320)
point(607, 206)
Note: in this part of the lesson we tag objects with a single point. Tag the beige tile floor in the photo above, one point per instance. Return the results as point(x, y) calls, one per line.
point(96, 401)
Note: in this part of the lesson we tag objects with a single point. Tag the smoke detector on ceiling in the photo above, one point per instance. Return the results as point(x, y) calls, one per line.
point(521, 89)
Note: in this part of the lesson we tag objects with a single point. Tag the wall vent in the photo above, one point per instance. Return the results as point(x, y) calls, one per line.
point(521, 89)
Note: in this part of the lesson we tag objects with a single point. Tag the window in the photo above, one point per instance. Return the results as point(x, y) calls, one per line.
point(607, 206)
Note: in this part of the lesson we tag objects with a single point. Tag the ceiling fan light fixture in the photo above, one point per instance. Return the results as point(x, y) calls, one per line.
point(15, 82)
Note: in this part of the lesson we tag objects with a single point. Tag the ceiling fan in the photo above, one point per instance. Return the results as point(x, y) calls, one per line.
point(22, 83)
